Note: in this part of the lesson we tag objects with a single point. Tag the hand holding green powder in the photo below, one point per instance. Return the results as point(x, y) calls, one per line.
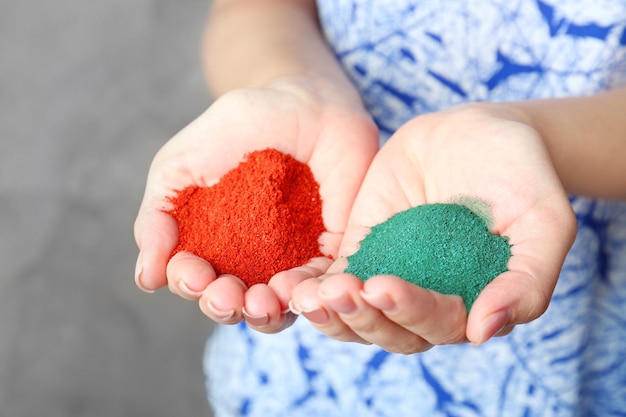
point(442, 247)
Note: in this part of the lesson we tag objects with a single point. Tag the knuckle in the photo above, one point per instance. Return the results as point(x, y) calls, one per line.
point(412, 348)
point(455, 337)
point(365, 327)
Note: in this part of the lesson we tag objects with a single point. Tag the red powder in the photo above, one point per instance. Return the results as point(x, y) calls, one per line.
point(262, 217)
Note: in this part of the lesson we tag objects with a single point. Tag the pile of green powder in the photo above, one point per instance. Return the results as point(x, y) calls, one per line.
point(442, 247)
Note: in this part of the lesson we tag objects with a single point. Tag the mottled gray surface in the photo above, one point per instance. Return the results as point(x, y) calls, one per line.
point(89, 91)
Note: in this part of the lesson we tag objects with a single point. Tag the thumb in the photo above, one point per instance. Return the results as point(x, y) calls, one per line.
point(156, 234)
point(521, 294)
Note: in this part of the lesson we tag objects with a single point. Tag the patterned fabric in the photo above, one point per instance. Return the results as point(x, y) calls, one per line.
point(408, 58)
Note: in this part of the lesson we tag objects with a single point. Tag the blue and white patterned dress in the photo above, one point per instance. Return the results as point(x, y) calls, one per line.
point(412, 57)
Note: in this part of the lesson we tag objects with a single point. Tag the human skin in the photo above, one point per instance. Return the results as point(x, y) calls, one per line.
point(297, 100)
point(282, 79)
point(465, 151)
point(519, 157)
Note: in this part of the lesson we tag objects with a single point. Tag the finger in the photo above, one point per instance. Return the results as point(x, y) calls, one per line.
point(342, 293)
point(188, 275)
point(267, 306)
point(505, 330)
point(223, 300)
point(338, 266)
point(523, 293)
point(512, 298)
point(263, 312)
point(439, 319)
point(540, 240)
point(284, 282)
point(306, 301)
point(156, 234)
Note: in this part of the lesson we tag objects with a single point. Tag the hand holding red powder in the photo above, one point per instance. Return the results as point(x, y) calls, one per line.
point(318, 125)
point(477, 151)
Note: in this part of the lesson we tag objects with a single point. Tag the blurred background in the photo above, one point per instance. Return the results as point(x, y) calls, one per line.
point(89, 92)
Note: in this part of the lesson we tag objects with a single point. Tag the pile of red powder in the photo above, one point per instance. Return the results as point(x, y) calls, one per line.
point(262, 217)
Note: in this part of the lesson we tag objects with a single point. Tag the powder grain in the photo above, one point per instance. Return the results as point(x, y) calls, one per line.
point(262, 217)
point(442, 247)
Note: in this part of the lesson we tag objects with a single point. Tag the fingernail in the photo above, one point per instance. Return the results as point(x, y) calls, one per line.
point(138, 272)
point(319, 316)
point(381, 301)
point(492, 324)
point(184, 288)
point(293, 308)
point(342, 304)
point(255, 320)
point(220, 314)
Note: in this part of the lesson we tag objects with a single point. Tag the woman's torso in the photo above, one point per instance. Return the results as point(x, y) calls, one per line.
point(412, 57)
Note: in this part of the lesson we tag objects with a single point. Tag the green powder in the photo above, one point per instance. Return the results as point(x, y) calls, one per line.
point(442, 247)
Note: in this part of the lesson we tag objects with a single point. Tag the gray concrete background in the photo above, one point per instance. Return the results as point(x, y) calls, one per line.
point(89, 90)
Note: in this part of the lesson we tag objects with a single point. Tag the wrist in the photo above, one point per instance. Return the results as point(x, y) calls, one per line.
point(250, 44)
point(583, 137)
point(510, 111)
